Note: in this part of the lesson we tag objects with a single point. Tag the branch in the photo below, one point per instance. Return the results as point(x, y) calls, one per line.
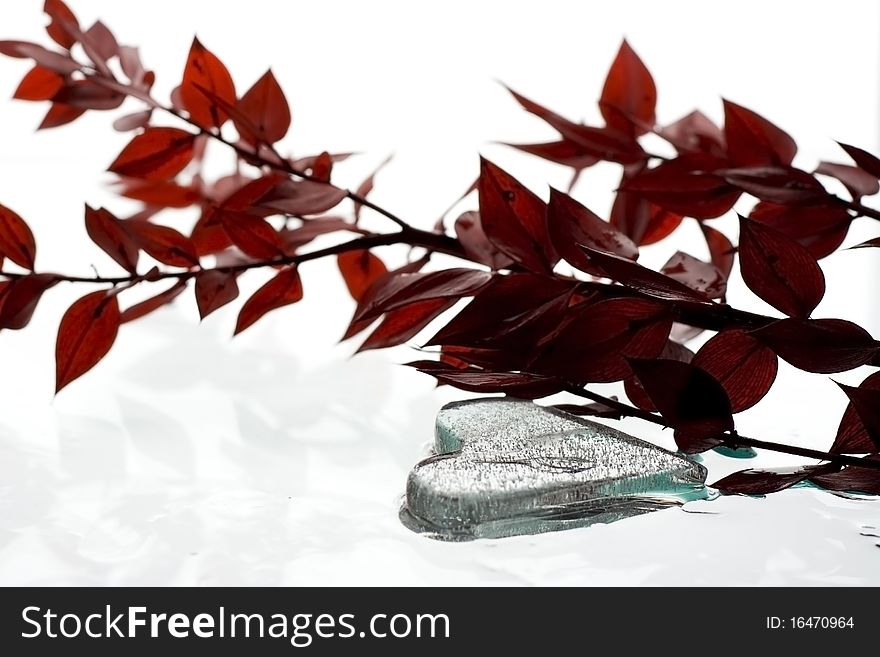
point(730, 438)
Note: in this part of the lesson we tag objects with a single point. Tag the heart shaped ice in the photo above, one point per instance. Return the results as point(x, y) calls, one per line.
point(505, 467)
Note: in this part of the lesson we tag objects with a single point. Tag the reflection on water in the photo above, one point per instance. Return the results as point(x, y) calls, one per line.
point(208, 464)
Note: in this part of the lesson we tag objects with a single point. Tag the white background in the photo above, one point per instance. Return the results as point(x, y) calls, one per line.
point(187, 458)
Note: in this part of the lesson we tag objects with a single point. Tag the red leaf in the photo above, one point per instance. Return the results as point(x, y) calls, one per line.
point(322, 167)
point(163, 243)
point(99, 42)
point(266, 112)
point(764, 482)
point(208, 235)
point(282, 290)
point(689, 399)
point(16, 239)
point(776, 184)
point(818, 228)
point(360, 269)
point(661, 224)
point(59, 115)
point(514, 219)
point(110, 235)
point(155, 154)
point(293, 238)
point(643, 279)
point(686, 186)
point(859, 429)
point(63, 26)
point(56, 61)
point(863, 159)
point(469, 230)
point(20, 297)
point(857, 182)
point(516, 384)
point(721, 251)
point(405, 289)
point(214, 289)
point(743, 366)
point(564, 152)
point(205, 72)
point(400, 325)
point(823, 346)
point(153, 303)
point(851, 478)
point(779, 270)
point(633, 388)
point(252, 235)
point(696, 274)
point(571, 225)
point(39, 84)
point(753, 141)
point(593, 346)
point(161, 193)
point(88, 330)
point(629, 95)
point(302, 197)
point(133, 121)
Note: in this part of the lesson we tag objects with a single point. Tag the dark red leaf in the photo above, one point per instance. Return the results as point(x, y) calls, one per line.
point(643, 279)
point(859, 429)
point(86, 94)
point(16, 239)
point(514, 219)
point(764, 482)
point(293, 238)
point(254, 236)
point(59, 115)
point(469, 230)
point(863, 159)
point(39, 84)
point(400, 325)
point(753, 141)
point(595, 409)
point(696, 274)
point(633, 388)
point(686, 185)
point(695, 133)
point(823, 346)
point(302, 197)
point(631, 212)
point(776, 184)
point(163, 243)
point(405, 289)
point(629, 95)
point(779, 270)
point(155, 154)
point(360, 269)
point(110, 235)
point(153, 303)
point(570, 225)
point(282, 290)
point(819, 228)
point(322, 167)
point(208, 235)
point(63, 27)
point(20, 297)
point(743, 366)
point(593, 346)
point(857, 181)
point(851, 478)
point(205, 72)
point(564, 152)
point(87, 331)
point(266, 112)
point(214, 289)
point(689, 399)
point(516, 384)
point(721, 250)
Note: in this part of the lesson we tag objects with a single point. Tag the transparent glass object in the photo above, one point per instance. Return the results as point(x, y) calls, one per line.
point(504, 467)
